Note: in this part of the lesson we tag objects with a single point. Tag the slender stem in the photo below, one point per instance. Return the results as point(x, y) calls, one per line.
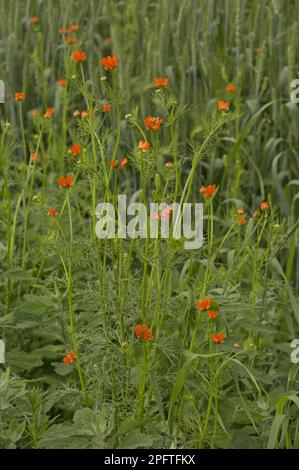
point(70, 215)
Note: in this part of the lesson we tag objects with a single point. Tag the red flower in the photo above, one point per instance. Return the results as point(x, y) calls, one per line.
point(62, 83)
point(119, 166)
point(74, 28)
point(208, 191)
point(79, 56)
point(34, 20)
point(162, 214)
point(218, 338)
point(71, 41)
point(110, 62)
point(144, 146)
point(35, 112)
point(48, 113)
point(64, 30)
point(264, 206)
point(84, 114)
point(230, 88)
point(142, 332)
point(256, 214)
point(65, 181)
point(123, 162)
point(161, 82)
point(166, 212)
point(34, 157)
point(212, 314)
point(106, 108)
point(19, 96)
point(223, 105)
point(153, 123)
point(241, 217)
point(204, 304)
point(70, 358)
point(52, 212)
point(75, 149)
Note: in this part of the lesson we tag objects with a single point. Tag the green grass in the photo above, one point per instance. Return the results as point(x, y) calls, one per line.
point(64, 290)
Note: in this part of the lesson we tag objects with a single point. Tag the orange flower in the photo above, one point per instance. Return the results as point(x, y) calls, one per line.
point(264, 206)
point(144, 146)
point(169, 164)
point(79, 56)
point(223, 105)
point(48, 113)
point(84, 114)
point(62, 83)
point(166, 212)
point(109, 62)
point(119, 166)
point(241, 217)
point(70, 40)
point(153, 123)
point(142, 332)
point(162, 214)
point(74, 28)
point(218, 338)
point(52, 212)
point(34, 157)
point(75, 149)
point(35, 112)
point(256, 214)
point(257, 50)
point(70, 358)
point(161, 82)
point(64, 30)
point(34, 20)
point(123, 162)
point(106, 108)
point(230, 88)
point(19, 96)
point(65, 181)
point(212, 314)
point(208, 191)
point(204, 304)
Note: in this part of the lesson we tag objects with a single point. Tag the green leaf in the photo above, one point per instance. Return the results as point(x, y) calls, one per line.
point(21, 360)
point(274, 431)
point(136, 439)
